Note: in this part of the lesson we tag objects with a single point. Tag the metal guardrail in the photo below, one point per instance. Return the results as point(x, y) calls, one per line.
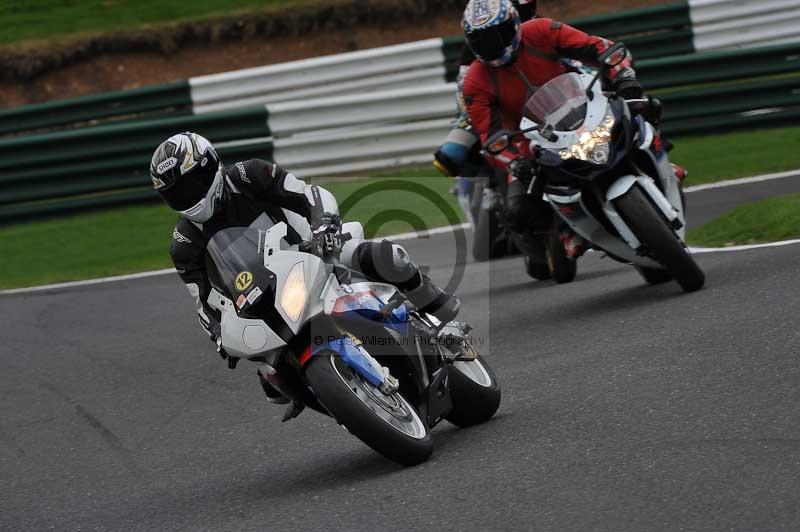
point(721, 24)
point(359, 71)
point(363, 148)
point(718, 66)
point(395, 106)
point(167, 99)
point(366, 110)
point(98, 159)
point(650, 32)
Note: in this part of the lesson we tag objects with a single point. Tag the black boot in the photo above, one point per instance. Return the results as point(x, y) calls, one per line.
point(390, 263)
point(431, 299)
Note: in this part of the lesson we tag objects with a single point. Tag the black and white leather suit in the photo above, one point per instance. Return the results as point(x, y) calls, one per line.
point(254, 187)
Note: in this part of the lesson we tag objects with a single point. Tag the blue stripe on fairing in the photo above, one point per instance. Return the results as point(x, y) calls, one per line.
point(354, 357)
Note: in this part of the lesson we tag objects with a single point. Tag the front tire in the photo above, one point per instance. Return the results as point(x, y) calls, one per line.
point(562, 269)
point(474, 390)
point(388, 424)
point(652, 230)
point(653, 276)
point(536, 266)
point(486, 243)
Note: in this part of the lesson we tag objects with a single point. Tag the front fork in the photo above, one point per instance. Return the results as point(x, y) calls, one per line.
point(621, 187)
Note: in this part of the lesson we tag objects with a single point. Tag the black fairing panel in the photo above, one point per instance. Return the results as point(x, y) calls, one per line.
point(576, 173)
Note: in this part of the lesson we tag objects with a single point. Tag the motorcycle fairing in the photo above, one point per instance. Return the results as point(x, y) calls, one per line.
point(366, 305)
point(247, 338)
point(574, 211)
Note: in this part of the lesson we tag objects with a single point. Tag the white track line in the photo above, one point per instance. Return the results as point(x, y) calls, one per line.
point(450, 229)
point(429, 232)
point(742, 181)
point(87, 282)
point(746, 247)
point(142, 275)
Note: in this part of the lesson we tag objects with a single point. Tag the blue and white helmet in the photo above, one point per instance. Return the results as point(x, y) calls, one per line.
point(493, 31)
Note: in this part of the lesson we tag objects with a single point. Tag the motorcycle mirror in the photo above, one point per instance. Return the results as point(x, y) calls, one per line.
point(498, 142)
point(614, 56)
point(609, 59)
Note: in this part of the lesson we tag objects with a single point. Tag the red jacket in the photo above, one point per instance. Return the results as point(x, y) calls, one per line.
point(496, 97)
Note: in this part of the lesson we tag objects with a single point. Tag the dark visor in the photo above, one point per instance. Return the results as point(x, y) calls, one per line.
point(490, 43)
point(188, 189)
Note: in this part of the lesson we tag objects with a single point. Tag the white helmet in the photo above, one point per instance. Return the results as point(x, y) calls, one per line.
point(187, 173)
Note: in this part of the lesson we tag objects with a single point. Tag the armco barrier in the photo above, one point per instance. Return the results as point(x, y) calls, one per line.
point(733, 23)
point(715, 67)
point(365, 148)
point(402, 80)
point(280, 82)
point(167, 99)
point(633, 21)
point(730, 99)
point(653, 32)
point(108, 157)
point(650, 32)
point(119, 140)
point(376, 108)
point(403, 106)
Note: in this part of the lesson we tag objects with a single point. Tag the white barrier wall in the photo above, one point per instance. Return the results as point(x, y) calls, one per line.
point(399, 106)
point(721, 24)
point(363, 148)
point(410, 64)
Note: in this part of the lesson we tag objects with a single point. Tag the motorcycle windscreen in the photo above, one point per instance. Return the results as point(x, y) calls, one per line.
point(236, 255)
point(561, 103)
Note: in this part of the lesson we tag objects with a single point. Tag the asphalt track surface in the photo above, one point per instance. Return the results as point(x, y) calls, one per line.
point(625, 407)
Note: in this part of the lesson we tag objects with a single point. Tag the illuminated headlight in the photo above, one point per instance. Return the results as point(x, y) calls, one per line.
point(294, 294)
point(592, 146)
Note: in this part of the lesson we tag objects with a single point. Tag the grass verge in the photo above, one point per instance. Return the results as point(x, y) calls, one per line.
point(137, 238)
point(769, 220)
point(732, 155)
point(26, 20)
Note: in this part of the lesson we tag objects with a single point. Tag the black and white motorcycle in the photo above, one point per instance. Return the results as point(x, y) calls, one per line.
point(329, 339)
point(607, 174)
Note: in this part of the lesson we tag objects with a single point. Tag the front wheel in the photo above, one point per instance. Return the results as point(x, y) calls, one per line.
point(562, 268)
point(474, 390)
point(653, 275)
point(387, 423)
point(659, 239)
point(537, 264)
point(487, 243)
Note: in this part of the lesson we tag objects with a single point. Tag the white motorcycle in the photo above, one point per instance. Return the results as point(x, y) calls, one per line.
point(329, 339)
point(607, 175)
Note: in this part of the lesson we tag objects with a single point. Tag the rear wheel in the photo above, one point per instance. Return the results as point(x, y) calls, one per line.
point(474, 390)
point(659, 239)
point(387, 423)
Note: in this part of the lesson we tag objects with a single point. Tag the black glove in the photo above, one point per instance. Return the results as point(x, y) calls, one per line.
point(522, 169)
point(326, 236)
point(628, 87)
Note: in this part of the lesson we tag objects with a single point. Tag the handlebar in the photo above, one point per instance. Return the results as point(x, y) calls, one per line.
point(327, 239)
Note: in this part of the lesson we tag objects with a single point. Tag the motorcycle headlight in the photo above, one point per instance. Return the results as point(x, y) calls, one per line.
point(294, 294)
point(593, 146)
